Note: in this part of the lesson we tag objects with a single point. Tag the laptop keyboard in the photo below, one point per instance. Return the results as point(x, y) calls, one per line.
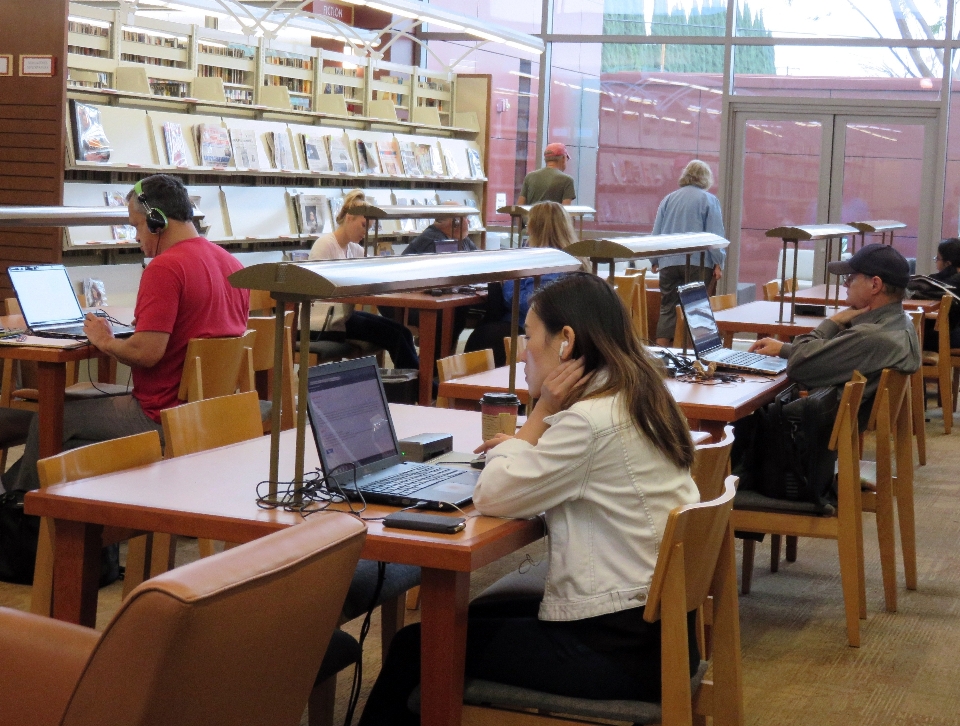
point(411, 481)
point(740, 358)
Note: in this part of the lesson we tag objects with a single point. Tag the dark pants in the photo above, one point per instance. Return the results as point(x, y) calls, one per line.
point(378, 330)
point(670, 279)
point(615, 656)
point(491, 335)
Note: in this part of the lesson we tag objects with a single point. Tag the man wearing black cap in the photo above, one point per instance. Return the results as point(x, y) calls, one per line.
point(872, 334)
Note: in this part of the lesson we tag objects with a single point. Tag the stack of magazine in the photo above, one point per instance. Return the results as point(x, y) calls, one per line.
point(214, 144)
point(89, 137)
point(315, 214)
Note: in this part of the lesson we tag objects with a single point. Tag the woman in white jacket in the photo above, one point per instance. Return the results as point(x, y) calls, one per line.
point(606, 454)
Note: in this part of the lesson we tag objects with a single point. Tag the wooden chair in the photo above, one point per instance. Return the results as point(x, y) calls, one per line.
point(463, 364)
point(199, 426)
point(632, 291)
point(940, 364)
point(262, 361)
point(890, 419)
point(93, 460)
point(723, 302)
point(695, 561)
point(754, 512)
point(261, 302)
point(217, 367)
point(771, 290)
point(711, 465)
point(917, 394)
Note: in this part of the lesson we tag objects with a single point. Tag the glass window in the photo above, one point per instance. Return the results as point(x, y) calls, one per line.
point(522, 15)
point(837, 72)
point(632, 127)
point(916, 20)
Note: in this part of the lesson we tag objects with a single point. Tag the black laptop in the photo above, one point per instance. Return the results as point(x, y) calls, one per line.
point(48, 303)
point(358, 446)
point(707, 343)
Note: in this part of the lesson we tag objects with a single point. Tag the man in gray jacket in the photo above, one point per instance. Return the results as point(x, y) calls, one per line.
point(872, 334)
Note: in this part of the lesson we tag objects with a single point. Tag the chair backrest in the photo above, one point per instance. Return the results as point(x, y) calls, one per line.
point(212, 367)
point(845, 440)
point(916, 317)
point(210, 423)
point(103, 457)
point(262, 358)
point(771, 290)
point(212, 642)
point(888, 400)
point(261, 302)
point(723, 302)
point(710, 465)
point(632, 290)
point(680, 336)
point(693, 535)
point(465, 364)
point(942, 325)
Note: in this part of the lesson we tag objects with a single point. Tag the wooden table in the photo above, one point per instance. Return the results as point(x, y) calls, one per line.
point(52, 376)
point(707, 408)
point(763, 318)
point(212, 494)
point(817, 295)
point(430, 307)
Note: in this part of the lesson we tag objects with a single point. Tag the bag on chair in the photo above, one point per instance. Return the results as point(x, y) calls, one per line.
point(789, 458)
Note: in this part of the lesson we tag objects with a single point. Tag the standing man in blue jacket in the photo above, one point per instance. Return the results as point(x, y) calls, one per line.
point(689, 209)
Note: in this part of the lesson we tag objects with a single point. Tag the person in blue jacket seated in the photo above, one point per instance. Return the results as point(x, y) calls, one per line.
point(548, 225)
point(605, 455)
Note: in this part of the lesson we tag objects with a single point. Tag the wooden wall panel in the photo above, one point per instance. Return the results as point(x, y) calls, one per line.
point(32, 128)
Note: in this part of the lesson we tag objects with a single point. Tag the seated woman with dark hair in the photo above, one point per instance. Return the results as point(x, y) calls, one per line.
point(606, 454)
point(948, 272)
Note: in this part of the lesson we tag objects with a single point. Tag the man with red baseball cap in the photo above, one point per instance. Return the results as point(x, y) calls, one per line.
point(549, 184)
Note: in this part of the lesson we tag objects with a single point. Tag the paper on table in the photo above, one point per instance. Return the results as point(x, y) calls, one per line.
point(35, 341)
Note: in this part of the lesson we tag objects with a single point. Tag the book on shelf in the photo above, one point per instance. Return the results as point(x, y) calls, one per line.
point(336, 204)
point(315, 152)
point(474, 223)
point(450, 161)
point(94, 293)
point(422, 224)
point(177, 154)
point(425, 159)
point(367, 157)
point(476, 164)
point(436, 160)
point(89, 137)
point(121, 232)
point(408, 156)
point(389, 158)
point(407, 225)
point(315, 214)
point(214, 143)
point(341, 160)
point(199, 219)
point(245, 152)
point(279, 142)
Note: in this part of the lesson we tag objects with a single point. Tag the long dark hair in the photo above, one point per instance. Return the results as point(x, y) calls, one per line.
point(606, 340)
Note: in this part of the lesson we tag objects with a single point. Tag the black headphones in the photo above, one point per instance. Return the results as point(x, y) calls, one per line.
point(156, 220)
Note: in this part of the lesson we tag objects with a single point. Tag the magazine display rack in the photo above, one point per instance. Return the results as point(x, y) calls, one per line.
point(809, 233)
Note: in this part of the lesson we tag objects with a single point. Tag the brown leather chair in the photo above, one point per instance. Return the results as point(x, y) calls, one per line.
point(217, 641)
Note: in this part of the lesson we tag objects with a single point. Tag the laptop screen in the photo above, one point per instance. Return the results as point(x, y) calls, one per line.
point(700, 321)
point(349, 414)
point(46, 295)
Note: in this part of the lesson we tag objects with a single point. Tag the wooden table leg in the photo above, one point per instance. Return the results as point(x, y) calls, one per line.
point(52, 378)
point(76, 572)
point(428, 336)
point(447, 342)
point(444, 597)
point(106, 369)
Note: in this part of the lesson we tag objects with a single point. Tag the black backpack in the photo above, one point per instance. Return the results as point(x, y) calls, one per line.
point(789, 457)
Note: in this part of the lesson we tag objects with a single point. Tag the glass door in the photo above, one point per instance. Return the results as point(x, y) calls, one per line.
point(818, 168)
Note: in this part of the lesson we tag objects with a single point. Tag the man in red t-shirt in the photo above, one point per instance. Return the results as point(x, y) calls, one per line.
point(184, 293)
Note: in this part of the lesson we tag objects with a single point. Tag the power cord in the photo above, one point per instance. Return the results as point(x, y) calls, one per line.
point(364, 630)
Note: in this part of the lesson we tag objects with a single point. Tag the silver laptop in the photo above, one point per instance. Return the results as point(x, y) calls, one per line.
point(358, 447)
point(707, 343)
point(48, 303)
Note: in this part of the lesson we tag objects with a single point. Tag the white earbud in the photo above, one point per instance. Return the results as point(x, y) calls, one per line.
point(563, 348)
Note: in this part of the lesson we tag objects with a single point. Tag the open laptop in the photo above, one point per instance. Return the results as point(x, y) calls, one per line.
point(48, 303)
point(352, 425)
point(707, 343)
